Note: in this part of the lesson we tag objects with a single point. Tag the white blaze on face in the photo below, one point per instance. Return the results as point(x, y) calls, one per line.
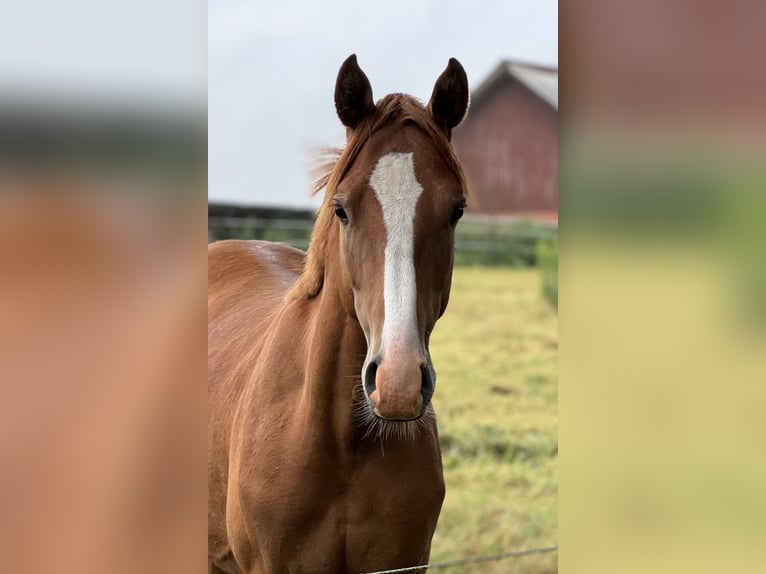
point(397, 189)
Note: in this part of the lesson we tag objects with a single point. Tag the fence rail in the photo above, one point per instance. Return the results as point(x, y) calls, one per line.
point(258, 223)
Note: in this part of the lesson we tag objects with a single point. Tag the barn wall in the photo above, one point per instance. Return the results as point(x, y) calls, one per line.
point(509, 148)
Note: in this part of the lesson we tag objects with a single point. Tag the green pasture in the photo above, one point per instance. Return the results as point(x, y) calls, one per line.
point(495, 353)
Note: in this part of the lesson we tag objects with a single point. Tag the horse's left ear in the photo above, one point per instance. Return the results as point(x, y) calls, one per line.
point(449, 101)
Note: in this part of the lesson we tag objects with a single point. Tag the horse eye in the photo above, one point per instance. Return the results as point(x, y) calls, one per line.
point(457, 213)
point(341, 214)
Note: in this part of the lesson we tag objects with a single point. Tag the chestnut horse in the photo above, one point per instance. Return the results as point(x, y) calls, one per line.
point(323, 449)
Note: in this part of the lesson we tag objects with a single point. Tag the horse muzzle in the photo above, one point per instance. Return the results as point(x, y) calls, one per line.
point(399, 386)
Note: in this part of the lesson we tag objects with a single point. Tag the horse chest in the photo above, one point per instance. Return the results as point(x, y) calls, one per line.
point(341, 511)
point(392, 512)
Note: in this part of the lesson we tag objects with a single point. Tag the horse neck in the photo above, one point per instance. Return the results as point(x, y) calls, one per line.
point(334, 355)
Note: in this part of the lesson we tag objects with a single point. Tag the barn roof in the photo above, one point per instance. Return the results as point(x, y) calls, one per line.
point(542, 81)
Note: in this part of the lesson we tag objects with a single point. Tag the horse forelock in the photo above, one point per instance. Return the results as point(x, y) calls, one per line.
point(334, 163)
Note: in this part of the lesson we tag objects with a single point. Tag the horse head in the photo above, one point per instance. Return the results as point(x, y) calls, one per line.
point(397, 194)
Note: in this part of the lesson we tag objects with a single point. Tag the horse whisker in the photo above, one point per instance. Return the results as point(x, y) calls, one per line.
point(382, 429)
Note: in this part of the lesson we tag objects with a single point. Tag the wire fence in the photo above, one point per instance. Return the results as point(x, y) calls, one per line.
point(470, 560)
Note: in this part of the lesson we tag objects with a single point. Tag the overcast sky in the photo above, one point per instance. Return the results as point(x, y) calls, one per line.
point(272, 69)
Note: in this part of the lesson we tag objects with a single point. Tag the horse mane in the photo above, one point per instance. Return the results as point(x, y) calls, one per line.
point(335, 163)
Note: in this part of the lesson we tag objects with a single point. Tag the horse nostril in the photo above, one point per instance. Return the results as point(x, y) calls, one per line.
point(369, 377)
point(426, 385)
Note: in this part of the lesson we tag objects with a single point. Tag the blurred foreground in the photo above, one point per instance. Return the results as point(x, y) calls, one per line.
point(102, 370)
point(103, 151)
point(102, 292)
point(663, 313)
point(663, 278)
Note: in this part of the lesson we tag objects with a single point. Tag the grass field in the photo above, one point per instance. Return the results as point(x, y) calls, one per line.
point(495, 353)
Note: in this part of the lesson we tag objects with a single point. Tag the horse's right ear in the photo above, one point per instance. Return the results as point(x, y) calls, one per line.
point(353, 93)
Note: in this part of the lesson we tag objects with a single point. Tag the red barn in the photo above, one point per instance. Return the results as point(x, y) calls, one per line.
point(508, 143)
